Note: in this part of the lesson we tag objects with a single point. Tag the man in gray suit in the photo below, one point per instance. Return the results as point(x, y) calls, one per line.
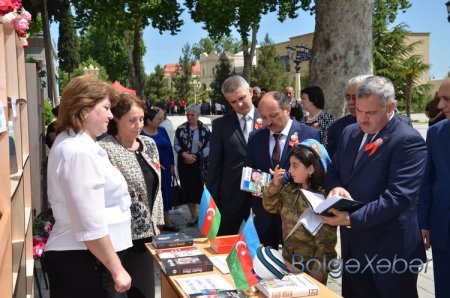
point(227, 151)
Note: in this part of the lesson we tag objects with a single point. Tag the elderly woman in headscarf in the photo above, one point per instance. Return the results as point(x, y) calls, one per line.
point(192, 146)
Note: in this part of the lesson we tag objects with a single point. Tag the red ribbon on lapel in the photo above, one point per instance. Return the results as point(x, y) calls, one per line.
point(373, 146)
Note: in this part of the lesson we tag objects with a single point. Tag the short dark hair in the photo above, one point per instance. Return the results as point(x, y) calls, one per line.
point(315, 95)
point(124, 103)
point(307, 157)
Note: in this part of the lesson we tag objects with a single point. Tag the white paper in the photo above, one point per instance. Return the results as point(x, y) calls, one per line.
point(2, 119)
point(196, 284)
point(220, 262)
point(309, 220)
point(318, 201)
point(13, 107)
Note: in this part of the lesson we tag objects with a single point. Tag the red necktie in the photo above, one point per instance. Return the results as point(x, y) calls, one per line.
point(276, 153)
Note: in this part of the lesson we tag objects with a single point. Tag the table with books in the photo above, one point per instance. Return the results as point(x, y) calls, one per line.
point(186, 269)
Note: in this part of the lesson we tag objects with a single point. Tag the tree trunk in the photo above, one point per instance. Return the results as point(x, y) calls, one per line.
point(342, 48)
point(137, 56)
point(134, 82)
point(48, 53)
point(408, 95)
point(248, 55)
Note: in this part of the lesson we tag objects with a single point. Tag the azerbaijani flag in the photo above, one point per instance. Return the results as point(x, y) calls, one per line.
point(240, 259)
point(209, 215)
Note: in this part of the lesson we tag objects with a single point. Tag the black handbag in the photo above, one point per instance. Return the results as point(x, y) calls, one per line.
point(176, 192)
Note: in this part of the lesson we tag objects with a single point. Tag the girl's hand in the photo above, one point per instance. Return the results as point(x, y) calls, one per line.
point(278, 174)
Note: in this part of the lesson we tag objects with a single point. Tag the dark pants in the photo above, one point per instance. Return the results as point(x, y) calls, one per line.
point(273, 235)
point(74, 273)
point(231, 222)
point(139, 264)
point(441, 267)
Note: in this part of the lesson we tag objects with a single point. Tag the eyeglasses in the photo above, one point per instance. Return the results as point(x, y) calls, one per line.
point(349, 96)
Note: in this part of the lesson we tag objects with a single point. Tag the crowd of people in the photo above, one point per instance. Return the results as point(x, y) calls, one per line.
point(113, 159)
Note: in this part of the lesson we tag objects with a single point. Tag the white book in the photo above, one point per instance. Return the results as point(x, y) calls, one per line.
point(320, 205)
point(220, 262)
point(254, 181)
point(198, 284)
point(292, 285)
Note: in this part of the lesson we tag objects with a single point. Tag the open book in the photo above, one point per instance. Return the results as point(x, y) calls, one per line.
point(320, 205)
point(254, 181)
point(309, 220)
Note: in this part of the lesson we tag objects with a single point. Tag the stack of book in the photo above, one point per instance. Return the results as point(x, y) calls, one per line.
point(183, 260)
point(291, 285)
point(172, 240)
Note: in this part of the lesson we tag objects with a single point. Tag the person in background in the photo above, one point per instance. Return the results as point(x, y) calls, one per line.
point(172, 106)
point(137, 158)
point(434, 202)
point(379, 161)
point(166, 123)
point(256, 96)
point(269, 147)
point(296, 107)
point(228, 144)
point(151, 129)
point(192, 147)
point(182, 106)
point(50, 135)
point(308, 164)
point(336, 128)
point(313, 101)
point(89, 198)
point(432, 111)
point(205, 107)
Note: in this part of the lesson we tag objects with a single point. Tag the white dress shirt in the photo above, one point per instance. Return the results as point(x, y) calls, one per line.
point(281, 139)
point(88, 195)
point(248, 121)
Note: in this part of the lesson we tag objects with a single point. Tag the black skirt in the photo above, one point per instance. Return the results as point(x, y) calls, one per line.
point(190, 181)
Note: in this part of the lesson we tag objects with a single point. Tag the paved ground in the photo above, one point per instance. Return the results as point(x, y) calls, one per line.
point(181, 216)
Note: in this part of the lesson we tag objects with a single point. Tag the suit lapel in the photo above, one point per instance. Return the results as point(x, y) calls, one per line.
point(286, 148)
point(237, 127)
point(351, 151)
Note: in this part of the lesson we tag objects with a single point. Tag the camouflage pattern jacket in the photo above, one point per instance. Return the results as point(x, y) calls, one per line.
point(289, 202)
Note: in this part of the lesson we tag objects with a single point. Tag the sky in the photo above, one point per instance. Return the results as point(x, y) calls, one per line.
point(424, 16)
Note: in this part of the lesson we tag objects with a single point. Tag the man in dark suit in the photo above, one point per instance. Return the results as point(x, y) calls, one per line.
point(337, 127)
point(380, 162)
point(269, 147)
point(434, 200)
point(227, 154)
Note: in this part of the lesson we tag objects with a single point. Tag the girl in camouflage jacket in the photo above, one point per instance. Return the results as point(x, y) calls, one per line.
point(309, 253)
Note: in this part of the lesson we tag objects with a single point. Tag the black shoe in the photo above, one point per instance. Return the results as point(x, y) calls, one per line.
point(170, 228)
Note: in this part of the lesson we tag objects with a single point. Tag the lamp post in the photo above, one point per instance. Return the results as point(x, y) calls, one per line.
point(298, 54)
point(448, 10)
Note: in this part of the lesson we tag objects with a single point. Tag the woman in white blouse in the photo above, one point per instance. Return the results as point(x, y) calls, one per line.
point(89, 198)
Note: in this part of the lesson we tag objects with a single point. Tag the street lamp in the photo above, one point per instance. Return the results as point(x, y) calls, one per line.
point(298, 54)
point(448, 10)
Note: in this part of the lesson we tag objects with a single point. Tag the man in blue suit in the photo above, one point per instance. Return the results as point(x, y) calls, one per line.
point(434, 198)
point(379, 161)
point(264, 152)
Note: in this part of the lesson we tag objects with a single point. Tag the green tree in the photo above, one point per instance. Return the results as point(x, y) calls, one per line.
point(244, 16)
point(222, 71)
point(156, 87)
point(107, 47)
point(130, 18)
point(270, 72)
point(80, 70)
point(68, 44)
point(412, 69)
point(224, 44)
point(183, 74)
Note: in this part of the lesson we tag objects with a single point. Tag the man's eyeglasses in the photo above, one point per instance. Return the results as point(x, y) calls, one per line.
point(348, 97)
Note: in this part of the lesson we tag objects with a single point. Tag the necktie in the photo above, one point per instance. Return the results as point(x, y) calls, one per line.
point(244, 127)
point(361, 150)
point(276, 153)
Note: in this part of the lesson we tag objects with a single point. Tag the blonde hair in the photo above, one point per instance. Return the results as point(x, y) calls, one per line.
point(81, 93)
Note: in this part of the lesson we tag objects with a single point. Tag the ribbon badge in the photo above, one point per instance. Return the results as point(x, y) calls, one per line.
point(373, 146)
point(294, 140)
point(258, 123)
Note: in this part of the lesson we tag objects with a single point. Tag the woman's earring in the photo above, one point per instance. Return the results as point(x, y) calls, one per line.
point(85, 116)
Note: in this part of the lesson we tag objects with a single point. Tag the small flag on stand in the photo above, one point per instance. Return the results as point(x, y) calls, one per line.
point(240, 259)
point(209, 216)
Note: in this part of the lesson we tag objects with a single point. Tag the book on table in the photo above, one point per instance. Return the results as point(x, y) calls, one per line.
point(208, 285)
point(178, 252)
point(186, 265)
point(292, 285)
point(172, 240)
point(223, 244)
point(321, 206)
point(254, 181)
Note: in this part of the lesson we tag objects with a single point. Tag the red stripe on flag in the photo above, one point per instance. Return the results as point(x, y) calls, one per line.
point(246, 261)
point(209, 217)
